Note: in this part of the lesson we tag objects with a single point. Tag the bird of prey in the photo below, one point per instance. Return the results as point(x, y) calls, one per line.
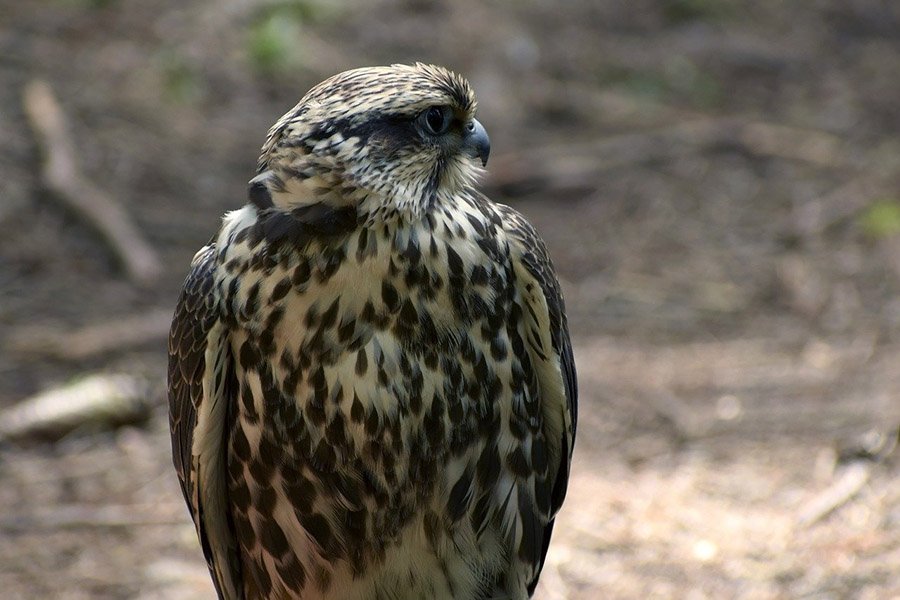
point(371, 385)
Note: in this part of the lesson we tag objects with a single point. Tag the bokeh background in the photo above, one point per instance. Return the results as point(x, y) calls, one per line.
point(718, 182)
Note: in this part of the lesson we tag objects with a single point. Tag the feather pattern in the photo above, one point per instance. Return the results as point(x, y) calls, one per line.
point(199, 395)
point(371, 385)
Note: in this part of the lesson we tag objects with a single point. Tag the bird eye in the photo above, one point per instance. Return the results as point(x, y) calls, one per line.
point(437, 119)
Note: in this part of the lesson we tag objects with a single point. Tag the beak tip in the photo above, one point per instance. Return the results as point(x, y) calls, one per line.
point(478, 142)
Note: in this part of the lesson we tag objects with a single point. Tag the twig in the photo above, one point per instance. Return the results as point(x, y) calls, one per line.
point(62, 177)
point(836, 495)
point(96, 401)
point(90, 340)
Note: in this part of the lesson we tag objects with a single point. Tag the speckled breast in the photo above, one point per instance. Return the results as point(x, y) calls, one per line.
point(374, 376)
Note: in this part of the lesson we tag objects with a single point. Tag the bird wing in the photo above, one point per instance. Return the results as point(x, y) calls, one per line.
point(550, 353)
point(201, 389)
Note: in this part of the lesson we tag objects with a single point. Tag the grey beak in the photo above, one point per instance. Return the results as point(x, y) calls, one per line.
point(476, 142)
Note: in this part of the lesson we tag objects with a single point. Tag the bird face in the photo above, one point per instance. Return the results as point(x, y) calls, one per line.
point(390, 139)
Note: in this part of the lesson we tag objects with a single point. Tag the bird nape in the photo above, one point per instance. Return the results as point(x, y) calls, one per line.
point(371, 386)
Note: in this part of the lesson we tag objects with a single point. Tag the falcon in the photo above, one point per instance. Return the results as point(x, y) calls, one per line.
point(371, 386)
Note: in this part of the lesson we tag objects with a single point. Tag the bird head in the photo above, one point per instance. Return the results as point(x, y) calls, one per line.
point(389, 140)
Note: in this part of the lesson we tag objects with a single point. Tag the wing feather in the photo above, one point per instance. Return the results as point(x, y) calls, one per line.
point(550, 351)
point(199, 396)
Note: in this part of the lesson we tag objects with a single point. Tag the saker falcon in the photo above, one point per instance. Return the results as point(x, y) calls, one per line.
point(371, 386)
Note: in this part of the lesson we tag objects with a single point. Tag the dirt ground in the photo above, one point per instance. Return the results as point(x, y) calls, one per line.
point(718, 182)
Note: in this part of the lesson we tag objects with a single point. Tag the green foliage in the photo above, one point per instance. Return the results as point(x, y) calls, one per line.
point(684, 77)
point(89, 4)
point(679, 79)
point(881, 218)
point(275, 41)
point(181, 82)
point(677, 11)
point(645, 84)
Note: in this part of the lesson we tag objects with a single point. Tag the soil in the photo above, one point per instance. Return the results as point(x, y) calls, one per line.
point(719, 186)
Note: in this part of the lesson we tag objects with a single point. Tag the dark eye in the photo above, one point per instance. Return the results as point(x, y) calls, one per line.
point(437, 119)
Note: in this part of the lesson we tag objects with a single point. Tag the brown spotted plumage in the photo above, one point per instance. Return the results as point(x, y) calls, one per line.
point(372, 391)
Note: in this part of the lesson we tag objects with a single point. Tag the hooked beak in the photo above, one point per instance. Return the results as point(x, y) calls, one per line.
point(476, 142)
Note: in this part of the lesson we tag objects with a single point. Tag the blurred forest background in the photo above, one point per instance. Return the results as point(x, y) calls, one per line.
point(719, 185)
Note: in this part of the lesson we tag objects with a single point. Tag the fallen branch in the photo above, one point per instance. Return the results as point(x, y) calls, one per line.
point(61, 176)
point(95, 402)
point(90, 340)
point(836, 495)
